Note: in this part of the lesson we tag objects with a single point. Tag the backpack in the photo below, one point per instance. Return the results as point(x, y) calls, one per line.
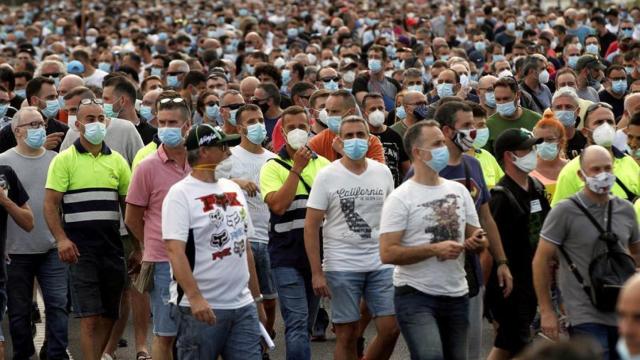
point(609, 268)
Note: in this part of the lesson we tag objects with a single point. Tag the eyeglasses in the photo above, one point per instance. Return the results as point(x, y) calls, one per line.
point(232, 106)
point(34, 125)
point(212, 103)
point(257, 100)
point(52, 75)
point(176, 100)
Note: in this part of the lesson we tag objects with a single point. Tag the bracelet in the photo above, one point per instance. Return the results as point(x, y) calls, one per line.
point(258, 299)
point(502, 262)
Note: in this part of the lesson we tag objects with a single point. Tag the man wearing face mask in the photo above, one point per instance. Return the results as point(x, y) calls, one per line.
point(41, 93)
point(490, 168)
point(567, 227)
point(414, 104)
point(486, 95)
point(285, 184)
point(149, 185)
point(589, 70)
point(615, 89)
point(565, 106)
point(534, 79)
point(519, 205)
point(243, 166)
point(599, 130)
point(175, 73)
point(375, 80)
point(33, 254)
point(341, 104)
point(90, 177)
point(119, 97)
point(509, 114)
point(230, 102)
point(394, 155)
point(121, 134)
point(328, 79)
point(267, 98)
point(431, 293)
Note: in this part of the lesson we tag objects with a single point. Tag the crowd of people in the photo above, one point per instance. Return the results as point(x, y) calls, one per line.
point(428, 167)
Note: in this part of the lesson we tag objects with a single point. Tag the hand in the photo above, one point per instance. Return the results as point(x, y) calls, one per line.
point(201, 310)
point(477, 242)
point(320, 287)
point(301, 159)
point(248, 186)
point(53, 140)
point(448, 250)
point(505, 279)
point(463, 92)
point(4, 198)
point(134, 262)
point(338, 145)
point(549, 324)
point(67, 251)
point(262, 315)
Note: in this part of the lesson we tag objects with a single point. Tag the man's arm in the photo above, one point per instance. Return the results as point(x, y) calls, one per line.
point(392, 252)
point(279, 201)
point(134, 220)
point(200, 308)
point(505, 279)
point(22, 215)
point(67, 250)
point(542, 285)
point(634, 249)
point(312, 224)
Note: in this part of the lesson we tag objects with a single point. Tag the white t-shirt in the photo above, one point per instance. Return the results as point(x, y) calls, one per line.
point(212, 219)
point(245, 165)
point(353, 204)
point(427, 215)
point(96, 78)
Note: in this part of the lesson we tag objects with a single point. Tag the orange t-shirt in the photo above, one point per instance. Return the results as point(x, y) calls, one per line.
point(322, 144)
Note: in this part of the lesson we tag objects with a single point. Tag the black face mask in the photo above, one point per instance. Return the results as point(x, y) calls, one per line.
point(420, 112)
point(263, 106)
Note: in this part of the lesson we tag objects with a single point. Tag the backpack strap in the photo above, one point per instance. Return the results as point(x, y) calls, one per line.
point(512, 199)
point(288, 167)
point(591, 218)
point(630, 195)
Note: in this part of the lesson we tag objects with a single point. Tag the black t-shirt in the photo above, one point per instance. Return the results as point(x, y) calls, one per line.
point(576, 145)
point(11, 186)
point(8, 139)
point(16, 102)
point(394, 154)
point(146, 131)
point(618, 104)
point(605, 41)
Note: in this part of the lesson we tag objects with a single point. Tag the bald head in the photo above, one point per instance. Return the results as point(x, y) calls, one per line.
point(594, 160)
point(248, 86)
point(632, 104)
point(487, 81)
point(68, 83)
point(629, 314)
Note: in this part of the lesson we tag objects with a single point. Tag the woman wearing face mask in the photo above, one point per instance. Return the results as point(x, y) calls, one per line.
point(209, 108)
point(400, 112)
point(551, 153)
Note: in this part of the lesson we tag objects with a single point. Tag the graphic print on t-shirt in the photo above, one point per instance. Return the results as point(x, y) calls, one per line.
point(443, 221)
point(225, 213)
point(4, 185)
point(355, 222)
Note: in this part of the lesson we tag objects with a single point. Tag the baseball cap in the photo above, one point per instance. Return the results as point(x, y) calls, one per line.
point(207, 135)
point(515, 139)
point(75, 67)
point(589, 61)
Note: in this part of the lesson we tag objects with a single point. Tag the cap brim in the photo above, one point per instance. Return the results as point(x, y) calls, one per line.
point(530, 142)
point(231, 140)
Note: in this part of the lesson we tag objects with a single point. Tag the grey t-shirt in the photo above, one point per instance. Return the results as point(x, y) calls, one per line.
point(588, 93)
point(122, 137)
point(566, 225)
point(32, 172)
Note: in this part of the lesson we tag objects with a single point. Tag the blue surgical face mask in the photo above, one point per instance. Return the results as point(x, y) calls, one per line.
point(619, 86)
point(232, 117)
point(173, 81)
point(428, 60)
point(170, 136)
point(498, 57)
point(400, 112)
point(3, 109)
point(145, 112)
point(547, 151)
point(104, 66)
point(572, 61)
point(53, 106)
point(95, 132)
point(331, 85)
point(375, 65)
point(592, 49)
point(256, 133)
point(356, 148)
point(482, 137)
point(417, 88)
point(333, 122)
point(444, 90)
point(156, 71)
point(566, 117)
point(480, 46)
point(61, 101)
point(490, 99)
point(213, 112)
point(439, 158)
point(21, 92)
point(108, 111)
point(629, 70)
point(286, 76)
point(506, 109)
point(35, 138)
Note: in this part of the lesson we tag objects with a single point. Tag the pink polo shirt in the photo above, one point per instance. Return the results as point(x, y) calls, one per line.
point(149, 185)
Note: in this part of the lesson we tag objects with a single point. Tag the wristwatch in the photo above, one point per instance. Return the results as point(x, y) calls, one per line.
point(258, 299)
point(502, 262)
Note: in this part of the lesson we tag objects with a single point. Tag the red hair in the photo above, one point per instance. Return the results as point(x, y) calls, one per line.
point(549, 120)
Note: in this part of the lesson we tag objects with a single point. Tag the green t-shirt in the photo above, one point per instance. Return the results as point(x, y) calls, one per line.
point(400, 127)
point(142, 154)
point(497, 125)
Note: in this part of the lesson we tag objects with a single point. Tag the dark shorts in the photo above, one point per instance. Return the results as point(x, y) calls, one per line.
point(127, 247)
point(96, 283)
point(514, 316)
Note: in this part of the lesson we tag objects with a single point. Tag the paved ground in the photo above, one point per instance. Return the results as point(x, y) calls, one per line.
point(320, 350)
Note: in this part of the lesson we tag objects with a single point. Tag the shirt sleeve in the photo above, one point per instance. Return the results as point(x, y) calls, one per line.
point(471, 215)
point(135, 144)
point(17, 193)
point(567, 185)
point(270, 179)
point(223, 171)
point(175, 207)
point(58, 176)
point(138, 194)
point(124, 177)
point(375, 152)
point(319, 198)
point(395, 215)
point(554, 228)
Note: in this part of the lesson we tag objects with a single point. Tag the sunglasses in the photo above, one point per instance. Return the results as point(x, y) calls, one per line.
point(91, 101)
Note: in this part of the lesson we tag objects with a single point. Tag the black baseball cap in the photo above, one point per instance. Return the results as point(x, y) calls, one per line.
point(515, 139)
point(589, 61)
point(207, 135)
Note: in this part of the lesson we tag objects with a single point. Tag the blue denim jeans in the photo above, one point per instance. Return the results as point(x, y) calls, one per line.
point(164, 321)
point(606, 336)
point(299, 307)
point(235, 335)
point(434, 327)
point(52, 277)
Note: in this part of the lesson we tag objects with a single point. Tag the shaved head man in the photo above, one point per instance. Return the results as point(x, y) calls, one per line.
point(248, 86)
